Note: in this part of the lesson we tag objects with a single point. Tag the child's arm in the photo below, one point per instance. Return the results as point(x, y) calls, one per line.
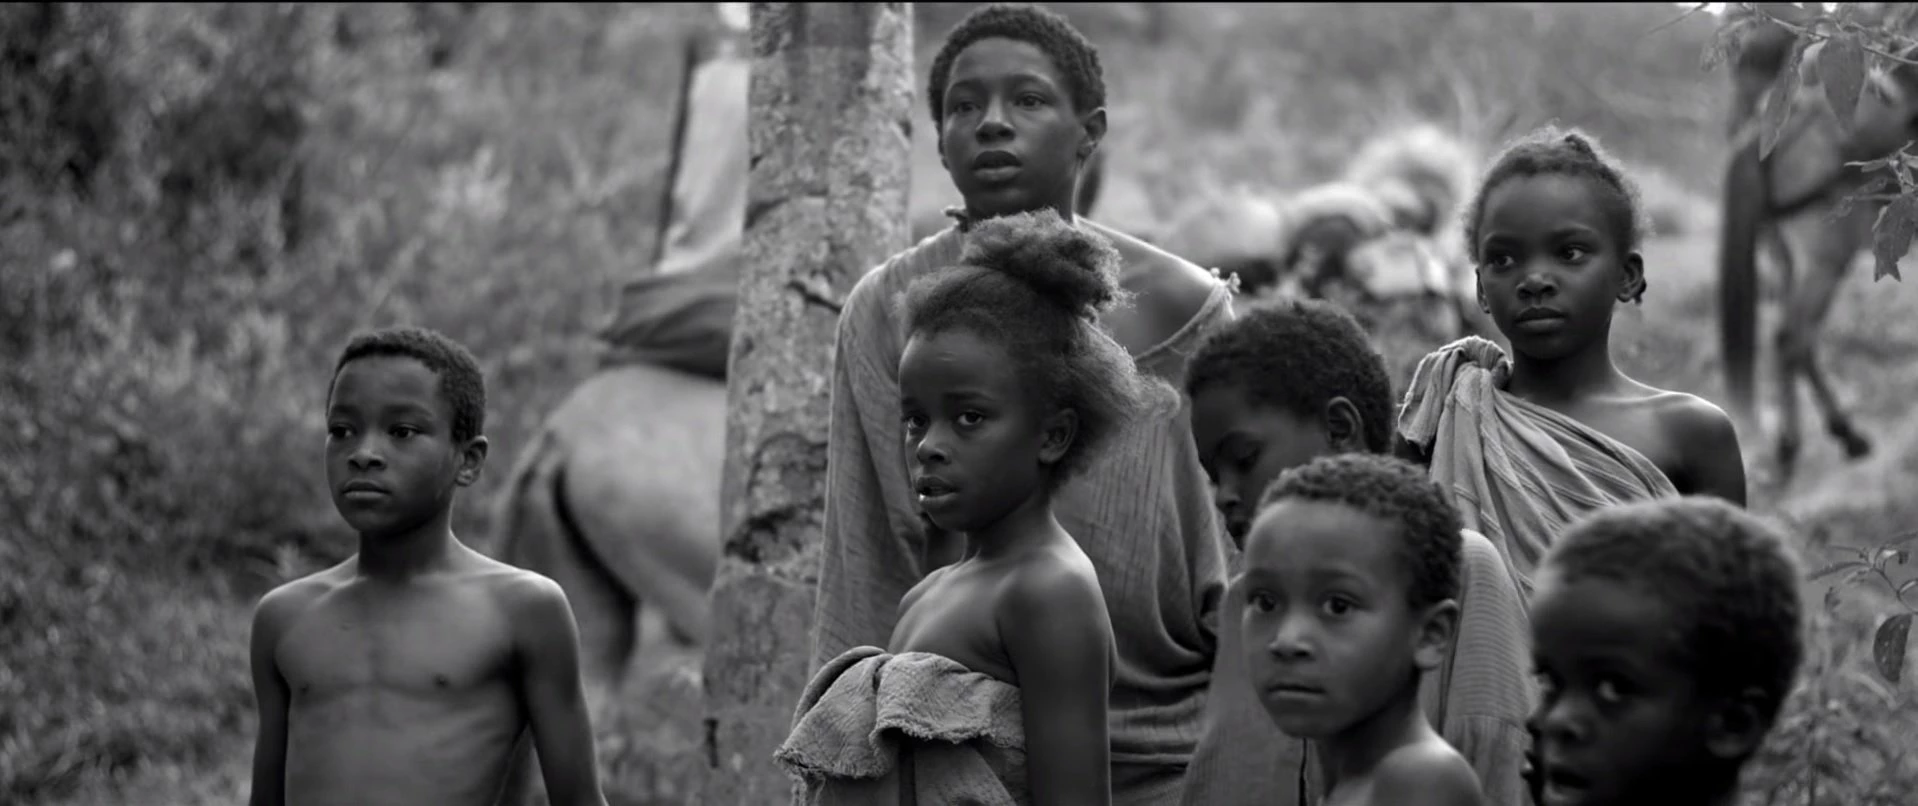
point(270, 696)
point(549, 683)
point(1059, 639)
point(1709, 442)
point(1426, 777)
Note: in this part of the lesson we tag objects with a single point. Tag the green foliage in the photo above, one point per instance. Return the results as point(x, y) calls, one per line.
point(1847, 45)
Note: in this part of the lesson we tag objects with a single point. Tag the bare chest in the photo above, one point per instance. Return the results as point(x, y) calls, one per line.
point(954, 618)
point(416, 644)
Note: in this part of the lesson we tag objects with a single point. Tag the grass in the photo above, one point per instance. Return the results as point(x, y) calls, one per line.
point(161, 459)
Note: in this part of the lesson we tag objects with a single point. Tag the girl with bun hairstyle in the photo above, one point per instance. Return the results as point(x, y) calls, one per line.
point(1008, 386)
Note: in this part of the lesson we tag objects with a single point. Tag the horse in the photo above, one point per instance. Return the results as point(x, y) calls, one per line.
point(1795, 200)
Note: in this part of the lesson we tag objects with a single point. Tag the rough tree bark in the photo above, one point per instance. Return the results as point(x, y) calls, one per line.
point(830, 139)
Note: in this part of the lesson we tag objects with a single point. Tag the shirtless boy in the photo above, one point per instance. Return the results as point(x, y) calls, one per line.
point(408, 673)
point(1350, 587)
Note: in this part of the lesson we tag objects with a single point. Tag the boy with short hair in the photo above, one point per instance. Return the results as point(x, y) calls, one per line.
point(409, 672)
point(1350, 588)
point(1668, 634)
point(1287, 382)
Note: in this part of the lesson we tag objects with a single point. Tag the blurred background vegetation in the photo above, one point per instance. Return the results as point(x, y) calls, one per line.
point(199, 203)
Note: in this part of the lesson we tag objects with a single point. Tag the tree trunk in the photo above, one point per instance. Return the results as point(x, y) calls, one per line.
point(830, 133)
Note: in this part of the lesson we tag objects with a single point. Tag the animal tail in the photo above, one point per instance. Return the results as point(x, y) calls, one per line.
point(536, 530)
point(513, 514)
point(1743, 213)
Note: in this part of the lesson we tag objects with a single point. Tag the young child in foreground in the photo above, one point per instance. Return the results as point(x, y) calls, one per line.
point(1556, 430)
point(996, 677)
point(1350, 581)
point(1667, 635)
point(1287, 382)
point(408, 673)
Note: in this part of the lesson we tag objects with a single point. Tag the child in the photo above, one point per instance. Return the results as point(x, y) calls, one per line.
point(1018, 100)
point(1349, 588)
point(1526, 445)
point(1287, 382)
point(409, 672)
point(1007, 388)
point(1667, 634)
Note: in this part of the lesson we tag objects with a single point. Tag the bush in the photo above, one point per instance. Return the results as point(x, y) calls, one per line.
point(202, 203)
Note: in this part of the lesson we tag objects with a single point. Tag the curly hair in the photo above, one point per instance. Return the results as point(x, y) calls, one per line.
point(1728, 578)
point(1392, 490)
point(1074, 56)
point(461, 381)
point(1562, 152)
point(1036, 285)
point(1296, 355)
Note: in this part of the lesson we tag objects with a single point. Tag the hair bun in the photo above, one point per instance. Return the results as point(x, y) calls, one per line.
point(1071, 267)
point(1580, 144)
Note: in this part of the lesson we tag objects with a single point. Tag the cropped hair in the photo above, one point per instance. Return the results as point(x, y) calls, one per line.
point(461, 382)
point(1394, 491)
point(1729, 579)
point(1297, 355)
point(1071, 53)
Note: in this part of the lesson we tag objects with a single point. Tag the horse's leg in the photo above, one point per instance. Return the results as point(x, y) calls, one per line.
point(1840, 243)
point(1785, 367)
point(1824, 249)
point(1837, 421)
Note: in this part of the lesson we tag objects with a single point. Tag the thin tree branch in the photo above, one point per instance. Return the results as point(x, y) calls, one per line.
point(1821, 37)
point(1678, 19)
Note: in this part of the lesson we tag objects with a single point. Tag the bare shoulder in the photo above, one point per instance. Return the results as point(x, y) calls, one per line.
point(1056, 579)
point(1052, 618)
point(288, 600)
point(529, 598)
point(1429, 772)
point(919, 589)
point(1695, 422)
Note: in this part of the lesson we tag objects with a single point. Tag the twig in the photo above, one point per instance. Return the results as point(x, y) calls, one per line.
point(1821, 37)
point(1678, 19)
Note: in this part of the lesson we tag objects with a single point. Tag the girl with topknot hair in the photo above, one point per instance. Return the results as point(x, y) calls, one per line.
point(1530, 442)
point(1008, 386)
point(1034, 286)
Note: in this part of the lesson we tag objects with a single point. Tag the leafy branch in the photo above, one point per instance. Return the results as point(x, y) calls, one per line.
point(1849, 46)
point(1891, 643)
point(1849, 27)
